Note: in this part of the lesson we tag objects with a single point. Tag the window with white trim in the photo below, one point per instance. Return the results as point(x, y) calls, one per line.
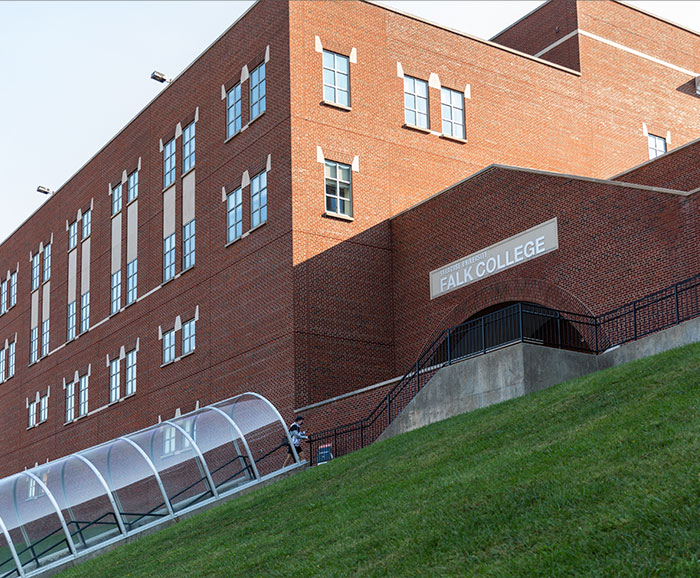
point(657, 146)
point(188, 337)
point(188, 142)
point(133, 186)
point(83, 396)
point(168, 257)
point(169, 440)
point(168, 346)
point(116, 293)
point(257, 92)
point(188, 245)
point(415, 97)
point(3, 297)
point(338, 188)
point(13, 289)
point(35, 271)
point(114, 380)
point(72, 321)
point(234, 217)
point(47, 262)
point(2, 365)
point(258, 200)
point(72, 235)
point(131, 372)
point(233, 111)
point(452, 107)
point(85, 312)
point(87, 223)
point(70, 401)
point(11, 360)
point(43, 408)
point(34, 345)
point(169, 163)
point(336, 78)
point(131, 281)
point(45, 338)
point(117, 199)
point(33, 406)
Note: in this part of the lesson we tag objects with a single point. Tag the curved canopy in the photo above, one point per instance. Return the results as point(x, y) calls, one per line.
point(78, 503)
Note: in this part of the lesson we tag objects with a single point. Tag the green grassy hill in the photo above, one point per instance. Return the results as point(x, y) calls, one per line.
point(595, 477)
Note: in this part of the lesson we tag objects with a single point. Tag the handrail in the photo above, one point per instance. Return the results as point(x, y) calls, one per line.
point(579, 332)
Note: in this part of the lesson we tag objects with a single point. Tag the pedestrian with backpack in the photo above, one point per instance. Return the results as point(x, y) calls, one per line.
point(296, 433)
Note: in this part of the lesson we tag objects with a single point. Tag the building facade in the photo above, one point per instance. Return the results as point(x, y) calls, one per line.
point(269, 221)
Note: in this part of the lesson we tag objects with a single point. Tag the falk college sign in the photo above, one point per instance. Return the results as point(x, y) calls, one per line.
point(515, 250)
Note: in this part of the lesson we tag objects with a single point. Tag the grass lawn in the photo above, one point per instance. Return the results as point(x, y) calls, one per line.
point(599, 476)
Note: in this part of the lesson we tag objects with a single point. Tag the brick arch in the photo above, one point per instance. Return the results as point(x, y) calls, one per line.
point(538, 291)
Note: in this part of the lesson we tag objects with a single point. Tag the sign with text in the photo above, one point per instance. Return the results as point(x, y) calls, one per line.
point(503, 255)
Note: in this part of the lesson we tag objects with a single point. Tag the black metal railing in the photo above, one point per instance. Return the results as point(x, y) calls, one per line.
point(517, 323)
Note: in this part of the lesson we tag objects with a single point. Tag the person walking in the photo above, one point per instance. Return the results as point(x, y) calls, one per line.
point(297, 434)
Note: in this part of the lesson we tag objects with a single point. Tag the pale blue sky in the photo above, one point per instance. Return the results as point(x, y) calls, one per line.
point(74, 73)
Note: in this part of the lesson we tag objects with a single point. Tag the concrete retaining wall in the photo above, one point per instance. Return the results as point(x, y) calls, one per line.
point(520, 369)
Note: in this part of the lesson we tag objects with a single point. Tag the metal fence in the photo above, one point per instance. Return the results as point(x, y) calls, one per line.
point(517, 323)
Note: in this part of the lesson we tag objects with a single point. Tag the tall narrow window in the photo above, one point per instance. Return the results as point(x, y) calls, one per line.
point(258, 199)
point(169, 441)
point(11, 360)
point(188, 337)
point(87, 223)
point(336, 78)
point(35, 271)
point(43, 408)
point(168, 346)
point(116, 294)
point(452, 113)
point(3, 297)
point(47, 262)
point(2, 365)
point(45, 338)
point(34, 345)
point(32, 413)
point(131, 372)
point(114, 379)
point(338, 189)
point(83, 394)
point(70, 401)
point(168, 257)
point(188, 143)
point(72, 235)
point(169, 163)
point(233, 111)
point(257, 92)
point(117, 199)
point(657, 146)
point(415, 96)
point(84, 312)
point(13, 289)
point(234, 205)
point(133, 186)
point(131, 281)
point(188, 244)
point(72, 318)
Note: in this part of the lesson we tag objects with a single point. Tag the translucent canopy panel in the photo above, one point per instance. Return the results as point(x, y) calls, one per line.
point(77, 504)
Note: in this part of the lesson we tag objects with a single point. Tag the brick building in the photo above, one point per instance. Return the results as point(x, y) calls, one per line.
point(269, 221)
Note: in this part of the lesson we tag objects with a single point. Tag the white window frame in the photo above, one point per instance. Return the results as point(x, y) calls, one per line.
point(47, 262)
point(169, 257)
point(188, 336)
point(452, 113)
point(33, 405)
point(114, 380)
point(34, 344)
point(13, 289)
point(44, 337)
point(188, 147)
point(258, 92)
point(132, 281)
point(3, 297)
point(168, 346)
point(70, 402)
point(117, 199)
point(333, 75)
point(657, 146)
point(11, 359)
point(169, 160)
point(85, 312)
point(333, 187)
point(43, 408)
point(3, 355)
point(415, 92)
point(83, 395)
point(188, 245)
point(234, 215)
point(258, 200)
point(35, 271)
point(133, 186)
point(87, 223)
point(233, 111)
point(72, 321)
point(131, 359)
point(116, 292)
point(73, 235)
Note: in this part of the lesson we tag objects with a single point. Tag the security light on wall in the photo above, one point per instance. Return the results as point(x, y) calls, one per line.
point(44, 190)
point(159, 76)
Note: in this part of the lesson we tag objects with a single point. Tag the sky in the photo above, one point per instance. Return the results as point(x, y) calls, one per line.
point(73, 74)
